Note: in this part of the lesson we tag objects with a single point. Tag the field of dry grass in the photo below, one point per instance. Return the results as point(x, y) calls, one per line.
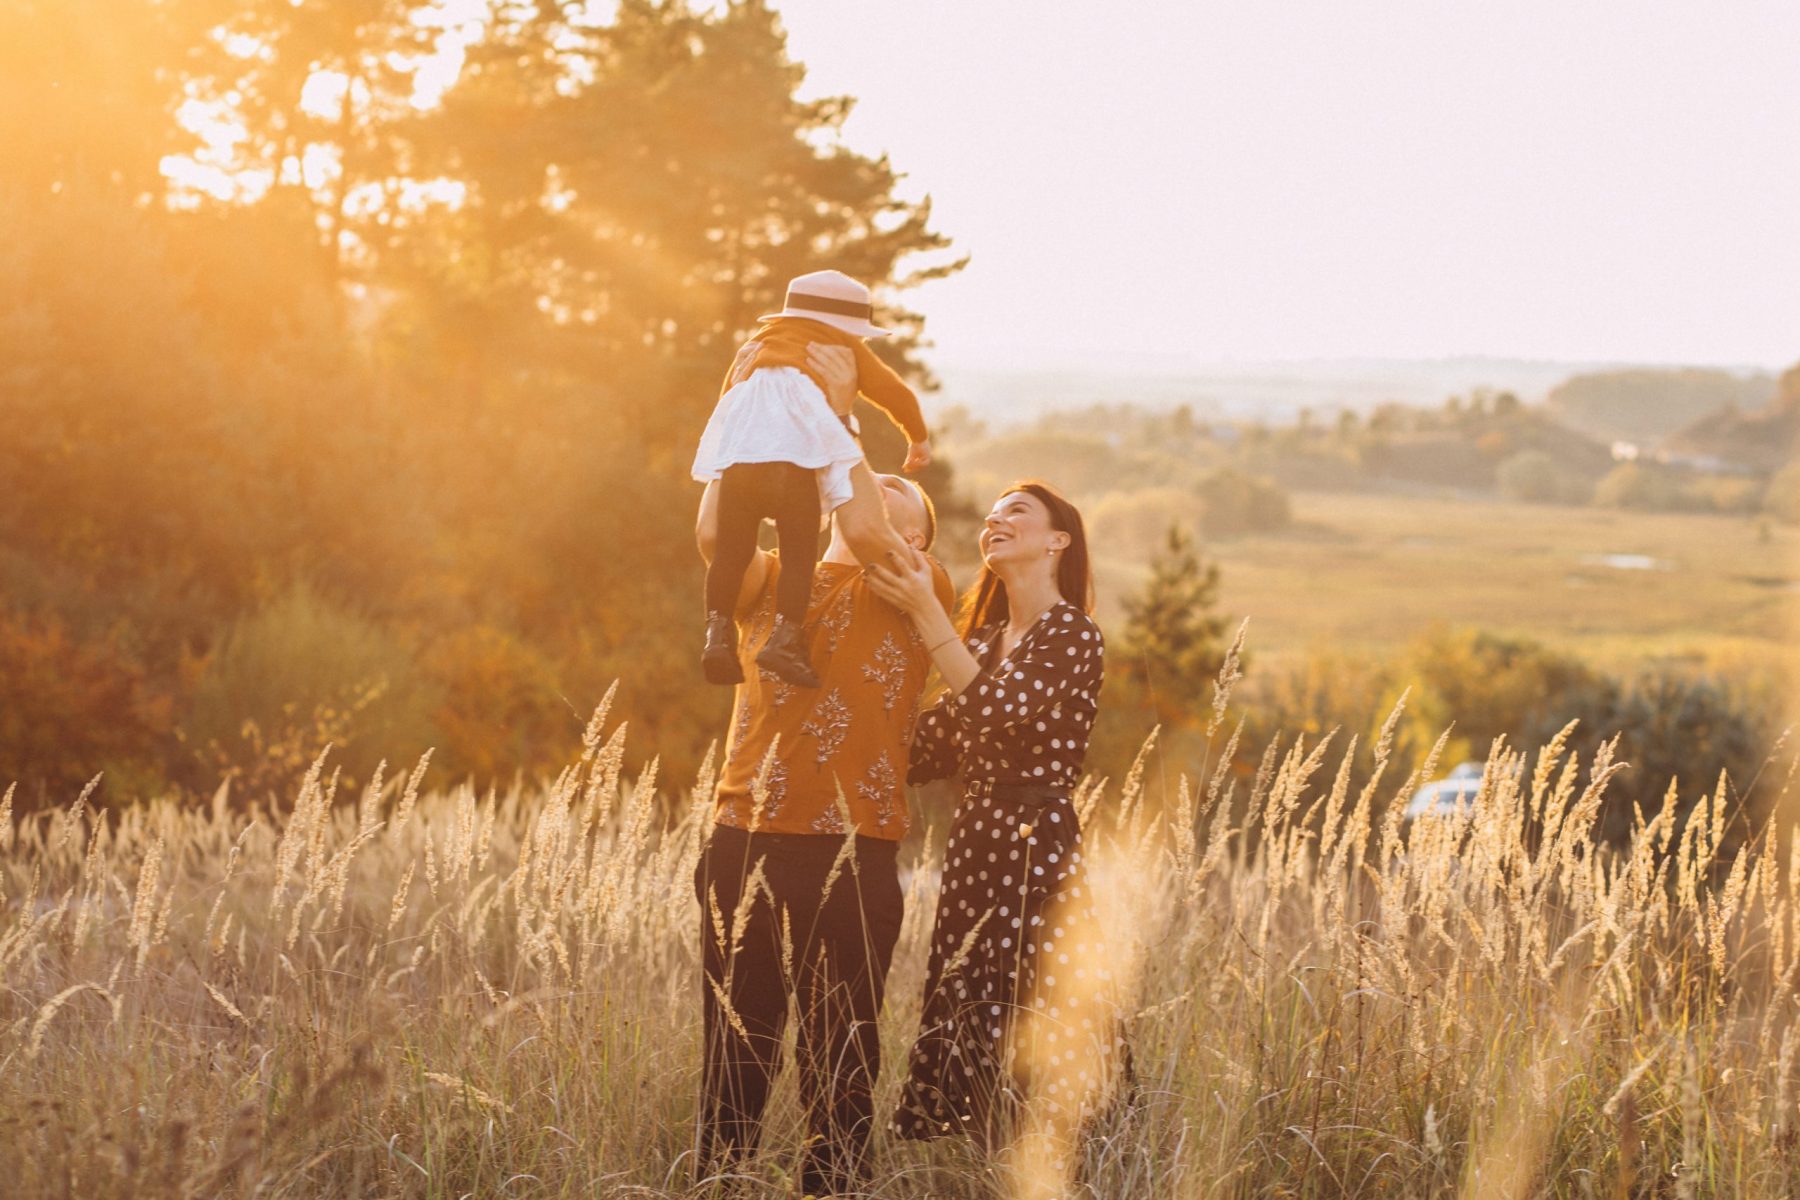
point(425, 994)
point(1367, 572)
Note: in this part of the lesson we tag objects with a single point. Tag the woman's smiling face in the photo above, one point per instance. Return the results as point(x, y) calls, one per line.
point(1018, 530)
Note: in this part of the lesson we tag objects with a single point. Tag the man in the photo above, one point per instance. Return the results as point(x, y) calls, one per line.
point(798, 886)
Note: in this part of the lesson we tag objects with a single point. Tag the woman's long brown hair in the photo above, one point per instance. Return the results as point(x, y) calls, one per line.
point(986, 601)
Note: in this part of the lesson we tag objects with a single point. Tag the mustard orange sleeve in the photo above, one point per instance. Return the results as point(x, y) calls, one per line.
point(888, 392)
point(725, 384)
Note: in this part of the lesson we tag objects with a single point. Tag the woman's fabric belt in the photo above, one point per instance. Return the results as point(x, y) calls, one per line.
point(1025, 800)
point(1028, 795)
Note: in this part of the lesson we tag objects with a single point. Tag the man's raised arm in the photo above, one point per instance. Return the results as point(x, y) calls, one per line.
point(863, 518)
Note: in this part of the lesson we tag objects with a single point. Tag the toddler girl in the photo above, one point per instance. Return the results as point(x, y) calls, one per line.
point(778, 450)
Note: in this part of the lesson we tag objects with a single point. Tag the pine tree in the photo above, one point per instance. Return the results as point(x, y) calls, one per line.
point(1174, 640)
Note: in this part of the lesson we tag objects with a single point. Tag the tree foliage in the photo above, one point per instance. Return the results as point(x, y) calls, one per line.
point(1473, 687)
point(439, 368)
point(1174, 642)
point(1536, 476)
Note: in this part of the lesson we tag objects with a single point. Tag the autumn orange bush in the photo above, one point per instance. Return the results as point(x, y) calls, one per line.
point(71, 707)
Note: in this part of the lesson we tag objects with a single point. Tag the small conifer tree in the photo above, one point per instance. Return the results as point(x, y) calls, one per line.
point(1174, 640)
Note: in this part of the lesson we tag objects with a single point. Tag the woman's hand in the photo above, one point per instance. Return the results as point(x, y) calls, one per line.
point(907, 584)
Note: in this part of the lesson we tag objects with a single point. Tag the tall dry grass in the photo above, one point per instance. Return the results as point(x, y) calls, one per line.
point(449, 994)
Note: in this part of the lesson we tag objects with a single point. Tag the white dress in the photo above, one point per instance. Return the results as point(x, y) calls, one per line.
point(779, 414)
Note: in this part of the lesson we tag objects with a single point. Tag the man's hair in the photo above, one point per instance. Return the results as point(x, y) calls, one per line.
point(930, 512)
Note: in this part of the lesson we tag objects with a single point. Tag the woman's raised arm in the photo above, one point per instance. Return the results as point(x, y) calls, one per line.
point(909, 586)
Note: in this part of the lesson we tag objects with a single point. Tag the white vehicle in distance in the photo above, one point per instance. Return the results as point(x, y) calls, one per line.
point(1446, 797)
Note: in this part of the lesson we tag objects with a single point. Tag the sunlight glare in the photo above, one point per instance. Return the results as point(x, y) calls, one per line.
point(322, 95)
point(319, 166)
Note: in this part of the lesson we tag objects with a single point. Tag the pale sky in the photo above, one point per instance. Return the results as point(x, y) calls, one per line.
point(1270, 179)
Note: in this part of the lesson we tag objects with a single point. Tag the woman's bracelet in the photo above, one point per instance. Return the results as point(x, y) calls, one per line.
point(933, 649)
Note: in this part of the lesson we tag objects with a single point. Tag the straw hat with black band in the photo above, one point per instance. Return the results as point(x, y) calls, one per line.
point(831, 298)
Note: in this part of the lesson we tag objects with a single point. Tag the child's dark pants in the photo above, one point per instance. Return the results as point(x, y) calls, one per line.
point(748, 492)
point(835, 965)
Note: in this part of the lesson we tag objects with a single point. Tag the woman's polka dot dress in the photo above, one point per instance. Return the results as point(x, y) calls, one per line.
point(1018, 995)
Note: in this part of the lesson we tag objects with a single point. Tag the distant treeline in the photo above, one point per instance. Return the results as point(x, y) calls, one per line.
point(1144, 467)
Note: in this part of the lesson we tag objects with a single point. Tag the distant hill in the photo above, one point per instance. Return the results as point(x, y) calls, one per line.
point(1275, 392)
point(1646, 405)
point(1764, 440)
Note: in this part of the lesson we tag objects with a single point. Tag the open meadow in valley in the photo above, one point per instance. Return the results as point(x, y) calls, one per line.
point(1366, 572)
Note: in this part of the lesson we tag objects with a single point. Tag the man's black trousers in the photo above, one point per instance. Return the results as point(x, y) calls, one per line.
point(822, 931)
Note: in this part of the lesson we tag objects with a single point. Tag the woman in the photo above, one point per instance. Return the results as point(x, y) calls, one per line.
point(1018, 1025)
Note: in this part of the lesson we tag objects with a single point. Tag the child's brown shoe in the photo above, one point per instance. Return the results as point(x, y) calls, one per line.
point(785, 655)
point(720, 658)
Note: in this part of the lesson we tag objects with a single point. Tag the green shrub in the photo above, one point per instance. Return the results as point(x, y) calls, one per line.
point(1724, 493)
point(1640, 486)
point(1674, 727)
point(1232, 502)
point(301, 673)
point(1225, 502)
point(1131, 524)
point(1481, 686)
point(1535, 476)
